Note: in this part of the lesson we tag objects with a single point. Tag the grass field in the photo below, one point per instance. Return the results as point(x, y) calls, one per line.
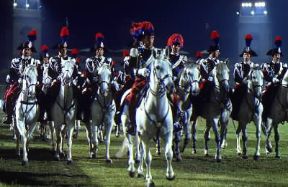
point(194, 170)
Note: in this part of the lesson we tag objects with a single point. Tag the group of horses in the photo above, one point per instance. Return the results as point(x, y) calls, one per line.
point(154, 118)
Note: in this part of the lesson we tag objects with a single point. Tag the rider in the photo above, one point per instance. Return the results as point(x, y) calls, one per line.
point(91, 66)
point(55, 67)
point(13, 79)
point(140, 60)
point(175, 43)
point(240, 73)
point(274, 72)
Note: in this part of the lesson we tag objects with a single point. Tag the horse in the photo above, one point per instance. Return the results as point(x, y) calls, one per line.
point(63, 111)
point(154, 117)
point(103, 110)
point(247, 112)
point(26, 110)
point(276, 113)
point(188, 86)
point(213, 109)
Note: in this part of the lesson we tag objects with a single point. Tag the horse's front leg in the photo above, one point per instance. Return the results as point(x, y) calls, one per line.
point(169, 155)
point(52, 131)
point(194, 136)
point(22, 132)
point(277, 138)
point(58, 143)
point(258, 122)
point(244, 138)
point(238, 137)
point(215, 122)
point(69, 132)
point(89, 137)
point(94, 140)
point(268, 126)
point(207, 137)
point(108, 130)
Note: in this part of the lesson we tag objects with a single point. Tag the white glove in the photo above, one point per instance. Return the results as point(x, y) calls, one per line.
point(8, 79)
point(20, 80)
point(134, 52)
point(210, 78)
point(245, 81)
point(144, 72)
point(47, 81)
point(275, 80)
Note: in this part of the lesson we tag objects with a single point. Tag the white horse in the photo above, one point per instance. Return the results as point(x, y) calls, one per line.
point(103, 111)
point(63, 111)
point(214, 109)
point(251, 108)
point(154, 117)
point(276, 113)
point(26, 110)
point(188, 86)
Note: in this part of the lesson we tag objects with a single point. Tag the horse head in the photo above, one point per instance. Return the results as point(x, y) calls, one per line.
point(189, 79)
point(30, 75)
point(255, 78)
point(222, 76)
point(162, 73)
point(104, 79)
point(67, 73)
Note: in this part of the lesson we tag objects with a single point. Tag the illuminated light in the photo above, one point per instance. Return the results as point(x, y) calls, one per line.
point(252, 12)
point(27, 5)
point(238, 13)
point(265, 12)
point(246, 4)
point(15, 4)
point(260, 4)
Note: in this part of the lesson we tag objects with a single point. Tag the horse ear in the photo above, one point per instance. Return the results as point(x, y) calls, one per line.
point(227, 61)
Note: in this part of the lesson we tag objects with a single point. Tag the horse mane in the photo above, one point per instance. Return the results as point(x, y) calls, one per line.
point(30, 68)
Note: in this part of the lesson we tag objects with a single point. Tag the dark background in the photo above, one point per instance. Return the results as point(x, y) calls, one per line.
point(193, 19)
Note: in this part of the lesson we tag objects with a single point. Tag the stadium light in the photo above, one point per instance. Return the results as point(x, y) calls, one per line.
point(246, 4)
point(252, 12)
point(238, 13)
point(15, 4)
point(260, 4)
point(27, 4)
point(265, 12)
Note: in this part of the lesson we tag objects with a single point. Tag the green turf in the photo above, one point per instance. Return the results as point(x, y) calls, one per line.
point(194, 170)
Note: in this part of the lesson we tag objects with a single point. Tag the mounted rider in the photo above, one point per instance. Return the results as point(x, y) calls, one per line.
point(14, 77)
point(274, 72)
point(141, 55)
point(55, 68)
point(241, 72)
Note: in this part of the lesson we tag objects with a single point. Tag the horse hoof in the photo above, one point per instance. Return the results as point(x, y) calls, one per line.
point(277, 157)
point(268, 149)
point(132, 174)
point(244, 157)
point(62, 155)
point(218, 160)
point(109, 161)
point(170, 178)
point(150, 184)
point(178, 158)
point(140, 175)
point(24, 163)
point(256, 157)
point(239, 153)
point(194, 152)
point(69, 162)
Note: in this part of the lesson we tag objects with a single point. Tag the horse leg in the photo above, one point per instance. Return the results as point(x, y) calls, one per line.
point(52, 131)
point(238, 137)
point(187, 131)
point(142, 156)
point(277, 138)
point(76, 129)
point(94, 140)
point(207, 137)
point(177, 138)
point(158, 146)
point(137, 147)
point(125, 143)
point(69, 132)
point(107, 140)
point(245, 139)
point(194, 137)
point(217, 139)
point(258, 121)
point(89, 137)
point(24, 143)
point(58, 144)
point(131, 167)
point(269, 123)
point(169, 155)
point(18, 139)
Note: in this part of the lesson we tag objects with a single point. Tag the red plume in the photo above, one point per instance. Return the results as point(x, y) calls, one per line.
point(147, 25)
point(99, 35)
point(33, 32)
point(198, 54)
point(125, 53)
point(74, 52)
point(214, 35)
point(44, 48)
point(175, 38)
point(248, 37)
point(64, 32)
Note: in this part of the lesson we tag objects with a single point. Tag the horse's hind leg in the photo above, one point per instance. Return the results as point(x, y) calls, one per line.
point(277, 138)
point(142, 156)
point(217, 139)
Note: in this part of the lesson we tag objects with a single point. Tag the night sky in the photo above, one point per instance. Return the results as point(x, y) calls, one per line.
point(193, 19)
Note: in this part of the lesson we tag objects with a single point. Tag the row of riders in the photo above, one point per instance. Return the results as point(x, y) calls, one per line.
point(146, 81)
